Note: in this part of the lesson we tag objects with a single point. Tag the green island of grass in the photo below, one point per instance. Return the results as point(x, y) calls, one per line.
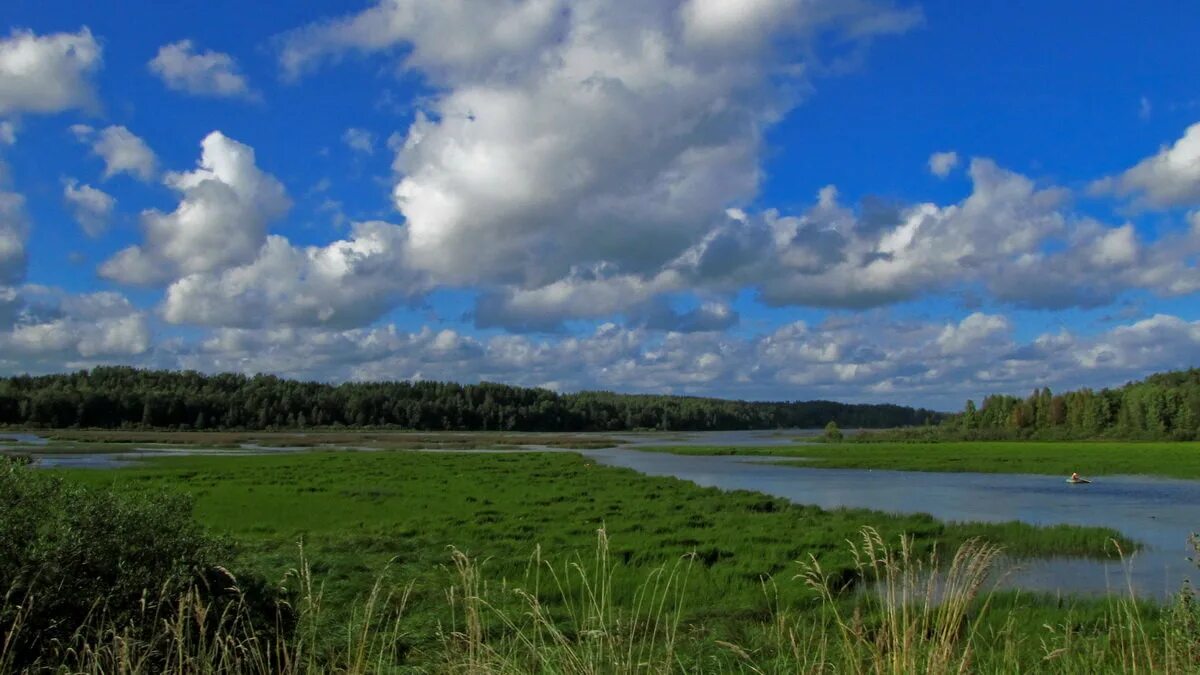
point(1060, 458)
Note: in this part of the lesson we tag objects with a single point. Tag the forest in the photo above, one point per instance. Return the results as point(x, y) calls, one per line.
point(1161, 406)
point(129, 398)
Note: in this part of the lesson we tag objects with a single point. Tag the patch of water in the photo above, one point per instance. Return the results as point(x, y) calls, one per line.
point(757, 438)
point(31, 439)
point(1160, 513)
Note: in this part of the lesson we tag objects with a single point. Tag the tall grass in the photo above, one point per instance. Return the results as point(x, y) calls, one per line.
point(585, 632)
point(913, 617)
point(900, 612)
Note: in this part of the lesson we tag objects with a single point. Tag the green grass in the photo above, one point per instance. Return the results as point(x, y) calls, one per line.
point(383, 439)
point(108, 441)
point(356, 512)
point(1089, 458)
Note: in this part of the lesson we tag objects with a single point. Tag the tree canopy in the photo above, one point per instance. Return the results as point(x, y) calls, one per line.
point(1163, 405)
point(124, 397)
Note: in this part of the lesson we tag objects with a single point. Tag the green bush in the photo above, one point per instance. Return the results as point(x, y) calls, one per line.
point(71, 556)
point(832, 432)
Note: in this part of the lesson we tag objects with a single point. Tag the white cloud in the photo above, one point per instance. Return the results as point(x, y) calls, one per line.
point(221, 221)
point(859, 357)
point(566, 136)
point(584, 293)
point(92, 208)
point(47, 329)
point(346, 283)
point(8, 133)
point(207, 73)
point(741, 25)
point(359, 140)
point(221, 268)
point(121, 149)
point(461, 35)
point(47, 73)
point(942, 163)
point(1169, 178)
point(1010, 238)
point(832, 256)
point(975, 333)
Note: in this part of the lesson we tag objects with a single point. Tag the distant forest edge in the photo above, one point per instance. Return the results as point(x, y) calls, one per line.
point(123, 397)
point(1163, 406)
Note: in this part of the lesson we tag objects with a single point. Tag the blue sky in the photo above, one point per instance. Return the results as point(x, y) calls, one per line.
point(868, 201)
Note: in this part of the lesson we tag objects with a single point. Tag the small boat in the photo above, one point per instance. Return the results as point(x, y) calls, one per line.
point(1078, 480)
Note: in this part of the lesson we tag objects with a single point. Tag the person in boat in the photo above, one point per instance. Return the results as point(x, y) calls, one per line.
point(1074, 477)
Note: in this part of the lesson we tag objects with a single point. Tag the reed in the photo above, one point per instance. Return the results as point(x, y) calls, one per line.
point(901, 612)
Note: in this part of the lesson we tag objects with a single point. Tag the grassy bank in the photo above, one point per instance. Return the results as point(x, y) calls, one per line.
point(102, 441)
point(395, 440)
point(359, 512)
point(1060, 458)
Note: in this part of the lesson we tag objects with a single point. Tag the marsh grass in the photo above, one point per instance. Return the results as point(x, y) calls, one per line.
point(913, 614)
point(95, 440)
point(568, 620)
point(589, 632)
point(1175, 459)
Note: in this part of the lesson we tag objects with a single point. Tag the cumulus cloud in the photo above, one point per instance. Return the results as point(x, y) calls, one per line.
point(47, 73)
point(570, 135)
point(584, 293)
point(942, 163)
point(359, 140)
point(221, 268)
point(443, 35)
point(92, 208)
point(207, 73)
point(570, 167)
point(835, 257)
point(1018, 242)
point(121, 149)
point(45, 329)
point(972, 334)
point(226, 206)
point(1169, 178)
point(346, 283)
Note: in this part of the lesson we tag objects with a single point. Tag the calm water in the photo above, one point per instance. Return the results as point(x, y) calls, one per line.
point(1158, 512)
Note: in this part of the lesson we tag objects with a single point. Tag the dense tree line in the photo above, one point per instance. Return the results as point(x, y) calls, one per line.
point(122, 397)
point(1162, 406)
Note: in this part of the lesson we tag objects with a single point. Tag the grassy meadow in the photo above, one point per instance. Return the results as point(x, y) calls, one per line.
point(1090, 458)
point(411, 521)
point(355, 511)
point(397, 561)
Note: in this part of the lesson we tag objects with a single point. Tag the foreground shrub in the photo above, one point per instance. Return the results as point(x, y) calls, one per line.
point(71, 556)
